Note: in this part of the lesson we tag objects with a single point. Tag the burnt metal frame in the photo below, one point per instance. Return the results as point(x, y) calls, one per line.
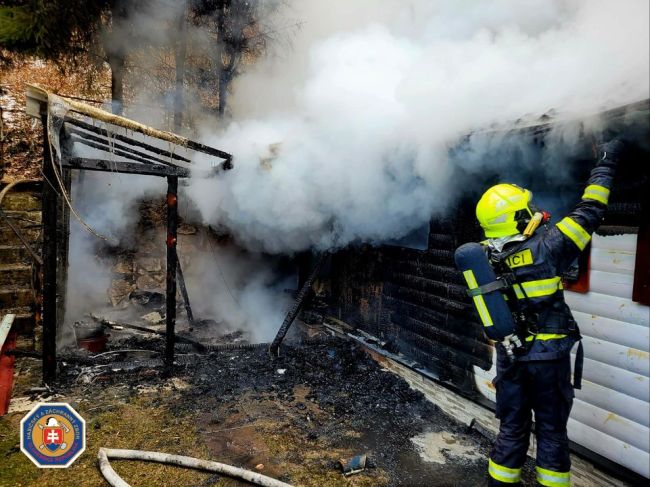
point(55, 238)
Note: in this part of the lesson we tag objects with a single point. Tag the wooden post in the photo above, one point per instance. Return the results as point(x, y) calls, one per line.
point(63, 231)
point(184, 294)
point(49, 260)
point(172, 266)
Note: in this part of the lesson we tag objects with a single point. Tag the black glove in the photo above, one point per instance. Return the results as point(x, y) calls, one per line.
point(609, 153)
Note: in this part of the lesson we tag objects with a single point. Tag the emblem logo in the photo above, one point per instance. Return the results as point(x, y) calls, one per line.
point(53, 435)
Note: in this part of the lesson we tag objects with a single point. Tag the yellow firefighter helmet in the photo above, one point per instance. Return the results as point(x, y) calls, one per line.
point(502, 208)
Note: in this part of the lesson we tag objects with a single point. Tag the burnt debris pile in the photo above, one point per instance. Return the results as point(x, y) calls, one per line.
point(329, 394)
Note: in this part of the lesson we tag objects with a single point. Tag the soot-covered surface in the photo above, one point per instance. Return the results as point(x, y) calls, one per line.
point(292, 418)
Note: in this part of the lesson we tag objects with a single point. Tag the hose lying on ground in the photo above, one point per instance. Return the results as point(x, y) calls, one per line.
point(181, 461)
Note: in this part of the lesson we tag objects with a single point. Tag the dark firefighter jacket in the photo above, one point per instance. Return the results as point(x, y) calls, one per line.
point(538, 262)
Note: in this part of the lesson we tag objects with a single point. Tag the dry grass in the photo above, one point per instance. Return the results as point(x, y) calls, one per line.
point(21, 154)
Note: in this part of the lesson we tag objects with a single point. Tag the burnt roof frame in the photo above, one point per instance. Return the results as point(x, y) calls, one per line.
point(141, 158)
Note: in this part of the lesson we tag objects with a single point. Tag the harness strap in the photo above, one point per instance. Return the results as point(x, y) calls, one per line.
point(534, 357)
point(577, 368)
point(487, 288)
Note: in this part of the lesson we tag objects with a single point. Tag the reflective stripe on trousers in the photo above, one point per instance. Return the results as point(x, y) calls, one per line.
point(549, 478)
point(504, 474)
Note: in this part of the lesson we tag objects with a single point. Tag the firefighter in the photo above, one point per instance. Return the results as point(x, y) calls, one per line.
point(539, 377)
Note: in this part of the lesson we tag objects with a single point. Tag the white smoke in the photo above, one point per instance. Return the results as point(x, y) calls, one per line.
point(364, 109)
point(345, 135)
point(240, 291)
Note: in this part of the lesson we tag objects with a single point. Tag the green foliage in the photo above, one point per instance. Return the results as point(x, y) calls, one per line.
point(16, 28)
point(50, 29)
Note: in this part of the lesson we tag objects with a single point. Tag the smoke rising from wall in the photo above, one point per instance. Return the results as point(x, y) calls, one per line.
point(365, 107)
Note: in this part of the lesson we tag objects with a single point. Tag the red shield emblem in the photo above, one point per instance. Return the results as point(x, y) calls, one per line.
point(52, 437)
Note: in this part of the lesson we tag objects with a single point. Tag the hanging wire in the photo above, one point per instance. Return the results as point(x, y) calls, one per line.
point(66, 198)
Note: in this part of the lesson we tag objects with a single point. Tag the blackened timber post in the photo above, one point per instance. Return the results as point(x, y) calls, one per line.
point(172, 266)
point(184, 293)
point(297, 305)
point(49, 203)
point(63, 230)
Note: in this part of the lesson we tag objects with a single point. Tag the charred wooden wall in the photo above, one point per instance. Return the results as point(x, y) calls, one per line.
point(416, 300)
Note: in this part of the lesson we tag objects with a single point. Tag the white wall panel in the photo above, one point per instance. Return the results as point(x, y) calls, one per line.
point(619, 332)
point(611, 424)
point(611, 283)
point(635, 385)
point(615, 450)
point(631, 359)
point(621, 404)
point(608, 261)
point(612, 307)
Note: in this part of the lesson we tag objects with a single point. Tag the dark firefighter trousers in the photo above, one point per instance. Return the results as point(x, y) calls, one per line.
point(545, 388)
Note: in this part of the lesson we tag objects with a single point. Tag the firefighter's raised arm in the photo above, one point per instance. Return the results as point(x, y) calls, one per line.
point(571, 235)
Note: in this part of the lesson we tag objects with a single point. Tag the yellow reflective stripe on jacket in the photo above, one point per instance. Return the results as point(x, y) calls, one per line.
point(572, 229)
point(479, 302)
point(545, 336)
point(538, 288)
point(549, 478)
point(596, 192)
point(504, 474)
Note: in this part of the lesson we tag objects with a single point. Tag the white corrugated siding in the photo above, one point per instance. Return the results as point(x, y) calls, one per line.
point(611, 413)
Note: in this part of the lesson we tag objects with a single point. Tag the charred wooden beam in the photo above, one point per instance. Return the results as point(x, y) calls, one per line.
point(116, 325)
point(111, 119)
point(212, 152)
point(172, 266)
point(128, 140)
point(110, 146)
point(62, 245)
point(126, 167)
point(184, 294)
point(297, 305)
point(107, 148)
point(49, 260)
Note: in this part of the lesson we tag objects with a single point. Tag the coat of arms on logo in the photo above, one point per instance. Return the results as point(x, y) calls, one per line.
point(53, 435)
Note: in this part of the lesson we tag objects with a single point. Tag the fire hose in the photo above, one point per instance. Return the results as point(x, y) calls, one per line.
point(181, 461)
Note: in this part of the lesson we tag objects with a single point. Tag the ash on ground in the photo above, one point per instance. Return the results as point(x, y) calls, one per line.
point(293, 417)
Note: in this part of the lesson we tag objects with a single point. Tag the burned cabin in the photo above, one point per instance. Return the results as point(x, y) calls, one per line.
point(116, 145)
point(413, 301)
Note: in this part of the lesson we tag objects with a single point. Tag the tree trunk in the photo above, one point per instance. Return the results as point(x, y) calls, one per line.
point(224, 81)
point(116, 58)
point(221, 33)
point(116, 62)
point(180, 55)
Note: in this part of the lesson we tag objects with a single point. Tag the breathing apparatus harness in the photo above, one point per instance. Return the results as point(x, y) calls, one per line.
point(514, 344)
point(526, 323)
point(527, 223)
